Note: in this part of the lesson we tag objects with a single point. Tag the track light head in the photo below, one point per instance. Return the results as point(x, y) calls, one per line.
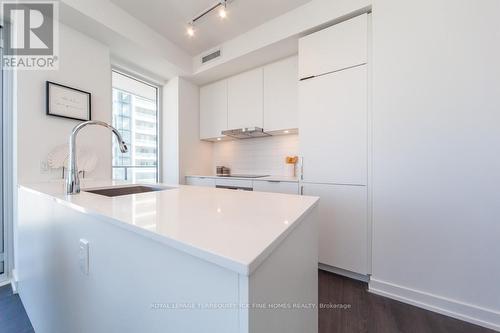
point(190, 30)
point(222, 10)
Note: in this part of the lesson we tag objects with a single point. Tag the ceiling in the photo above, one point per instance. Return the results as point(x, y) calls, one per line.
point(169, 18)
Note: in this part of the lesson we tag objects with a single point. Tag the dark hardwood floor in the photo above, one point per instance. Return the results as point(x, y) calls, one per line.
point(13, 318)
point(367, 312)
point(376, 314)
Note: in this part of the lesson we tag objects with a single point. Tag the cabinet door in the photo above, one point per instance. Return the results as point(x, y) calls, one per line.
point(200, 181)
point(343, 236)
point(242, 183)
point(333, 127)
point(213, 110)
point(245, 99)
point(281, 88)
point(340, 46)
point(275, 186)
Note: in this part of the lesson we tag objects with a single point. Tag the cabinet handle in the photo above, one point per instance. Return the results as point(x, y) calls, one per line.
point(308, 77)
point(274, 181)
point(302, 190)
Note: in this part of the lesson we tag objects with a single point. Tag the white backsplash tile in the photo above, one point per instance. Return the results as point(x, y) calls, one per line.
point(256, 156)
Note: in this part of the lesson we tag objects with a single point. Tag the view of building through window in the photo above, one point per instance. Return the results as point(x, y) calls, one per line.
point(135, 116)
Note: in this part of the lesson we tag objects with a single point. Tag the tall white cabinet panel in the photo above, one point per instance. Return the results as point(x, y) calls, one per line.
point(343, 236)
point(213, 110)
point(245, 99)
point(280, 95)
point(340, 46)
point(333, 127)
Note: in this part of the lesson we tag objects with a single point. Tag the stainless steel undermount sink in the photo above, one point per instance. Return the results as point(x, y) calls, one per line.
point(117, 191)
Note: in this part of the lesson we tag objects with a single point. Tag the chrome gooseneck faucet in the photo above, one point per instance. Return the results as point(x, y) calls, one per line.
point(73, 178)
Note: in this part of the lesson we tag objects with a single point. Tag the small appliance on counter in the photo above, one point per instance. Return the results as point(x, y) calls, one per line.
point(223, 171)
point(290, 163)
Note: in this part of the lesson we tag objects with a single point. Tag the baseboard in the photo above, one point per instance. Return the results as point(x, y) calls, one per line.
point(343, 272)
point(4, 283)
point(467, 312)
point(13, 282)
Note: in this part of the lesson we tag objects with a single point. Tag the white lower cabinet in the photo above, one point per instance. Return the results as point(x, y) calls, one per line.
point(255, 185)
point(276, 186)
point(234, 183)
point(343, 236)
point(200, 181)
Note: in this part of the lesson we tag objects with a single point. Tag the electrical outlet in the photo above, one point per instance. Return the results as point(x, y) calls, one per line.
point(44, 166)
point(83, 256)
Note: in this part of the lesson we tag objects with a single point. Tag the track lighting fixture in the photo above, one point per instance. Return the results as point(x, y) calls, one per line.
point(221, 5)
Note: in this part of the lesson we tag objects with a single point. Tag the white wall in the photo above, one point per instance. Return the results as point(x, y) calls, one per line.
point(195, 155)
point(436, 163)
point(256, 156)
point(84, 64)
point(128, 38)
point(183, 153)
point(170, 132)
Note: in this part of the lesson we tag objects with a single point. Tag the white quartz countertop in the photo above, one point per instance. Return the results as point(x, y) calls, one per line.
point(233, 229)
point(266, 178)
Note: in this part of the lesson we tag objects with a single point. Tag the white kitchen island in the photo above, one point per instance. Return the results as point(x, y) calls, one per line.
point(182, 260)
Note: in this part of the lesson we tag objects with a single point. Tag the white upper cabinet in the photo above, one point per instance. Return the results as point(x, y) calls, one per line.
point(245, 100)
point(265, 97)
point(340, 46)
point(281, 88)
point(213, 110)
point(333, 127)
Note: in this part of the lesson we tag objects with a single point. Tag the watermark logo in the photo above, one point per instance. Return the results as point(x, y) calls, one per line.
point(31, 37)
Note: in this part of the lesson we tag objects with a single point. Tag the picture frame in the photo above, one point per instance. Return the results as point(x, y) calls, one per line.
point(67, 102)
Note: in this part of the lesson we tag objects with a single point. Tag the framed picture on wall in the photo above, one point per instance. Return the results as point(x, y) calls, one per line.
point(67, 102)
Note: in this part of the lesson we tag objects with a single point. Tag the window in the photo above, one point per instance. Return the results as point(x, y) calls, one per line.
point(135, 116)
point(2, 226)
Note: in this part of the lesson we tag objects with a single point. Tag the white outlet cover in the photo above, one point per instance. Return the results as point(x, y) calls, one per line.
point(83, 256)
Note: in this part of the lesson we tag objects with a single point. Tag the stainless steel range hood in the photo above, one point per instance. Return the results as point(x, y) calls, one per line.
point(246, 133)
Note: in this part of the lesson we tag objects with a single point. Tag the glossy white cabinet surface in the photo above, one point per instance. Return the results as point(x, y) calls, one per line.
point(343, 237)
point(184, 246)
point(245, 99)
point(275, 186)
point(333, 127)
point(340, 46)
point(213, 110)
point(200, 181)
point(281, 88)
point(233, 182)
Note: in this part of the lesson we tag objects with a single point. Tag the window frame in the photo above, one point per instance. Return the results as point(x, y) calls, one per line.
point(8, 170)
point(159, 128)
